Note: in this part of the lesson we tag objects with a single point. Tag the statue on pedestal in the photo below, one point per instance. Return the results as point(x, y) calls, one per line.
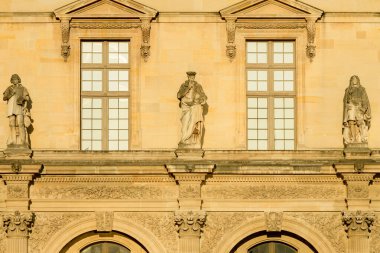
point(17, 97)
point(192, 101)
point(356, 114)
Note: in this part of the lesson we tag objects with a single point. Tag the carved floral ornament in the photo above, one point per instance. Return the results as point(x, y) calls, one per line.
point(358, 221)
point(270, 14)
point(105, 14)
point(189, 222)
point(18, 223)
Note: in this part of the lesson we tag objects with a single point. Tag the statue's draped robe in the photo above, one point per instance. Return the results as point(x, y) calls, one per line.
point(192, 114)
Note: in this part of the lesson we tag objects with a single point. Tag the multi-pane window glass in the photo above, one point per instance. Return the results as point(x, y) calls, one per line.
point(272, 247)
point(257, 123)
point(105, 95)
point(105, 247)
point(271, 95)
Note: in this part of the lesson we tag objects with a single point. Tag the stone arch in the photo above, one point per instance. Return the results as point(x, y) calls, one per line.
point(74, 229)
point(302, 229)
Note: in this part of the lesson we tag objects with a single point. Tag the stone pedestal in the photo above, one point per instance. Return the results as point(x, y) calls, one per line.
point(358, 227)
point(17, 225)
point(189, 154)
point(357, 151)
point(16, 152)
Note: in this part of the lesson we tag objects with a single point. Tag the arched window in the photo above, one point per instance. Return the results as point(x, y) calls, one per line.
point(105, 247)
point(272, 247)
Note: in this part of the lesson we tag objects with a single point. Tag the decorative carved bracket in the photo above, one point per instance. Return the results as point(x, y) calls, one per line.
point(145, 46)
point(65, 30)
point(310, 27)
point(18, 224)
point(231, 29)
point(273, 221)
point(189, 223)
point(358, 222)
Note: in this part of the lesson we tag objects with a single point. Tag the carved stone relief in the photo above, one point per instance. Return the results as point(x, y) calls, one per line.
point(3, 190)
point(102, 191)
point(160, 224)
point(358, 221)
point(273, 221)
point(17, 191)
point(190, 191)
point(272, 191)
point(218, 224)
point(46, 225)
point(357, 190)
point(189, 222)
point(329, 224)
point(18, 223)
point(104, 221)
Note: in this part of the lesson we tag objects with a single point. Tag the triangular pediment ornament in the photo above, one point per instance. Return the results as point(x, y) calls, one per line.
point(270, 14)
point(105, 14)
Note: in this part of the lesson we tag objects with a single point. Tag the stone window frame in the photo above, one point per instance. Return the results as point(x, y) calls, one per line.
point(270, 94)
point(286, 239)
point(104, 94)
point(85, 240)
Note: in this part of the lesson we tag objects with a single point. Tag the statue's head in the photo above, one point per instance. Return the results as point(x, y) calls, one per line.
point(15, 79)
point(354, 81)
point(191, 75)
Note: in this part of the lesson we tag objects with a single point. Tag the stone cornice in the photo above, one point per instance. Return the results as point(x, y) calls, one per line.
point(105, 179)
point(319, 179)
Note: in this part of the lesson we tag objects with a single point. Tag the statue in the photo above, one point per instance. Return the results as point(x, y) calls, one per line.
point(17, 97)
point(192, 101)
point(356, 114)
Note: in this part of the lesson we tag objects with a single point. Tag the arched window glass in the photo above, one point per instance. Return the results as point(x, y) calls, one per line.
point(272, 247)
point(105, 247)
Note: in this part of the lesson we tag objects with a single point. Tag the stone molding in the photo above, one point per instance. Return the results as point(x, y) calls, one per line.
point(18, 223)
point(297, 15)
point(134, 15)
point(358, 221)
point(103, 179)
point(273, 221)
point(190, 223)
point(274, 179)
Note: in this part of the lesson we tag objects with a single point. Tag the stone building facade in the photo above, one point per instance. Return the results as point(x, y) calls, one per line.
point(104, 173)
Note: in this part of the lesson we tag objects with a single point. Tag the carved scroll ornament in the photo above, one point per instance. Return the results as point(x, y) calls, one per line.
point(16, 224)
point(358, 221)
point(189, 222)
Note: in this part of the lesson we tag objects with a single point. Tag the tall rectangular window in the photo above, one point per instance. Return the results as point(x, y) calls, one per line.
point(271, 91)
point(105, 95)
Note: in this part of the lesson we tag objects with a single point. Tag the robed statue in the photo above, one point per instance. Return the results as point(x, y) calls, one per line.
point(356, 114)
point(192, 101)
point(17, 97)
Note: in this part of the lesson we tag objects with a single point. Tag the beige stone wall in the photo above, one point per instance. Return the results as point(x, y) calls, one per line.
point(346, 45)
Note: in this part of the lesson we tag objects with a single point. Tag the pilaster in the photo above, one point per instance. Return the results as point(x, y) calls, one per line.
point(189, 226)
point(17, 226)
point(358, 226)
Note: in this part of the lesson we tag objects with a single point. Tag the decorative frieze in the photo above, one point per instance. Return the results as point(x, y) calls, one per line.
point(273, 191)
point(358, 221)
point(17, 223)
point(102, 191)
point(273, 221)
point(189, 223)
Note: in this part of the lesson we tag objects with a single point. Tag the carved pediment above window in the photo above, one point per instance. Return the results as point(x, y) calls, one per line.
point(271, 14)
point(105, 14)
